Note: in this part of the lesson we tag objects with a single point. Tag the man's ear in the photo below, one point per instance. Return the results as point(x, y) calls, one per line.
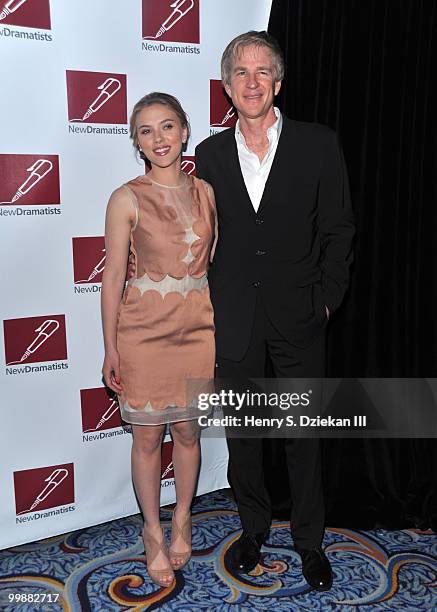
point(277, 87)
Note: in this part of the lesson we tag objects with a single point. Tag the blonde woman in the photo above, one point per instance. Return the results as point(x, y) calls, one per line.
point(159, 331)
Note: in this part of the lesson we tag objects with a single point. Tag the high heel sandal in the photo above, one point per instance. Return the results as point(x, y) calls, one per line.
point(152, 548)
point(179, 559)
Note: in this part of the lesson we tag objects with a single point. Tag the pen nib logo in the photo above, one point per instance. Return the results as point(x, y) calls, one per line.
point(230, 113)
point(44, 332)
point(112, 409)
point(98, 269)
point(38, 170)
point(107, 89)
point(222, 114)
point(170, 20)
point(10, 7)
point(53, 481)
point(167, 470)
point(95, 97)
point(180, 9)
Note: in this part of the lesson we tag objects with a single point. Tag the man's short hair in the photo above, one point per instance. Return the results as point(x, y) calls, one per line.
point(257, 39)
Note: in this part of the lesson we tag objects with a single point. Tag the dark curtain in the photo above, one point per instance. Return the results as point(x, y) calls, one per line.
point(367, 68)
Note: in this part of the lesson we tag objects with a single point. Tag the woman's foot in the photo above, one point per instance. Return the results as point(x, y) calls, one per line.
point(180, 548)
point(158, 563)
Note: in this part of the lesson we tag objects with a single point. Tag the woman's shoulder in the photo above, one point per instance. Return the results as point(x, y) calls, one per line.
point(208, 188)
point(126, 190)
point(138, 182)
point(124, 201)
point(205, 191)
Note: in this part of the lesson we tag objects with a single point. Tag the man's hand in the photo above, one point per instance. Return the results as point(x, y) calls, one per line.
point(131, 267)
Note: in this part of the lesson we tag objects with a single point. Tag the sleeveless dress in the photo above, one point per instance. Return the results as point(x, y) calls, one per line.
point(165, 330)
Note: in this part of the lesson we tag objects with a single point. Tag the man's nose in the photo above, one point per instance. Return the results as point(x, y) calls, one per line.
point(252, 80)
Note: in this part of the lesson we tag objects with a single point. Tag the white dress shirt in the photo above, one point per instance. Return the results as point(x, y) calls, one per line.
point(255, 173)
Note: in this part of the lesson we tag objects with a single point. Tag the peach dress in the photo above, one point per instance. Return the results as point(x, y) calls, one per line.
point(165, 331)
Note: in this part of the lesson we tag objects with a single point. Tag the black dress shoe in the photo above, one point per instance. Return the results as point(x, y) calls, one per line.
point(316, 568)
point(245, 553)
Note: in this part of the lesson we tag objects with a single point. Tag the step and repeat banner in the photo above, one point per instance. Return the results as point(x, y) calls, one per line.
point(70, 72)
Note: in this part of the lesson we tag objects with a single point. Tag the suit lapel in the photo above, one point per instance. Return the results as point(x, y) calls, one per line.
point(283, 164)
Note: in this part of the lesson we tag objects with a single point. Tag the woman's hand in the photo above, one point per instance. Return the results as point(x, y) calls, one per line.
point(111, 371)
point(131, 267)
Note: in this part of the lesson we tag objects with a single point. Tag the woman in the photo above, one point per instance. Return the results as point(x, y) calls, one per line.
point(159, 333)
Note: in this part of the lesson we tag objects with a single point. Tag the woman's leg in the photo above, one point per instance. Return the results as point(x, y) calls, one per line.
point(146, 475)
point(186, 462)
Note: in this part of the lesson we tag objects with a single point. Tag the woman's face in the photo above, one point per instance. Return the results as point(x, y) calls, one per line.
point(160, 134)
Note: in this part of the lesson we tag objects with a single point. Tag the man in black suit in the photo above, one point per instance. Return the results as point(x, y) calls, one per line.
point(280, 270)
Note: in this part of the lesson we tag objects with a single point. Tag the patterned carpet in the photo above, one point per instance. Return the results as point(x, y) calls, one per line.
point(101, 569)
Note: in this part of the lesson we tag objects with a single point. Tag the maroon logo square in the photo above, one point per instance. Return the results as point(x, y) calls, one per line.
point(35, 339)
point(43, 488)
point(29, 179)
point(88, 259)
point(99, 408)
point(96, 97)
point(171, 21)
point(167, 470)
point(221, 112)
point(26, 13)
point(188, 164)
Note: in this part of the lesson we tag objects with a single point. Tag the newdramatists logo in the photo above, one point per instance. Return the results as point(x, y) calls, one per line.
point(29, 180)
point(188, 164)
point(221, 112)
point(39, 340)
point(96, 97)
point(89, 257)
point(100, 415)
point(39, 490)
point(166, 21)
point(167, 472)
point(27, 14)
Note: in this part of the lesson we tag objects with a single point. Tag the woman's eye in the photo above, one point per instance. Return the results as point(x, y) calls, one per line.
point(145, 131)
point(168, 126)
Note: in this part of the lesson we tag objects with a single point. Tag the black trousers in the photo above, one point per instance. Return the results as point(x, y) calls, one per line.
point(245, 470)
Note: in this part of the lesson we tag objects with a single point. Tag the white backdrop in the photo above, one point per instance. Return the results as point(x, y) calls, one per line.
point(64, 457)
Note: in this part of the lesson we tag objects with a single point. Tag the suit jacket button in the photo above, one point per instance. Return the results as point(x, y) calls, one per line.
point(260, 252)
point(259, 221)
point(256, 284)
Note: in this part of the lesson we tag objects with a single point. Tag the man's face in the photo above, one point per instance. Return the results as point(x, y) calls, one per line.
point(252, 87)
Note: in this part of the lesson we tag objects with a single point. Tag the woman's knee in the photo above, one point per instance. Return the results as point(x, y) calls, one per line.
point(148, 439)
point(185, 434)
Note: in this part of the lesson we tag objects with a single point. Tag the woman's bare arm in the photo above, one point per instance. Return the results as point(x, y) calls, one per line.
point(120, 217)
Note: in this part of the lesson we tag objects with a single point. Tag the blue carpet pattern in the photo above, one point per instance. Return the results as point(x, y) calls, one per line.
point(102, 569)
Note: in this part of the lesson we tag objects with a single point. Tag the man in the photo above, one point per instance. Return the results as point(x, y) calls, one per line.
point(280, 270)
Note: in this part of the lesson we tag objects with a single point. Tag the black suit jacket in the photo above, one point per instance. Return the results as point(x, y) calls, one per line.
point(295, 251)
